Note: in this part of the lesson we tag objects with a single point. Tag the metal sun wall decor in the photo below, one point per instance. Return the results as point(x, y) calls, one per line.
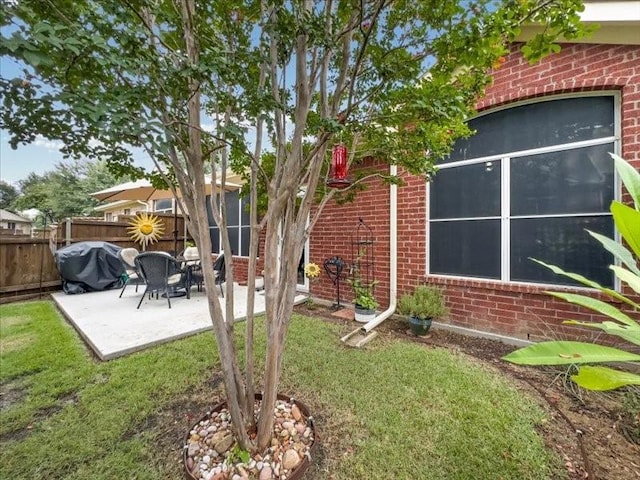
point(145, 229)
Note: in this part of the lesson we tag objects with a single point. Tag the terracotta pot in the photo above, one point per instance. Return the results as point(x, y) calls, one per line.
point(297, 473)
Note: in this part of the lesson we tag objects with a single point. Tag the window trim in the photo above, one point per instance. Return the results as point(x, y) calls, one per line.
point(170, 209)
point(505, 218)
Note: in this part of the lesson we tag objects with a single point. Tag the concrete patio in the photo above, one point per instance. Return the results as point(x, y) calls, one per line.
point(113, 327)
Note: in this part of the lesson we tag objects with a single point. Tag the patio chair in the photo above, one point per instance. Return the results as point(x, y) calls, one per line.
point(196, 275)
point(127, 256)
point(191, 255)
point(162, 274)
point(191, 259)
point(221, 272)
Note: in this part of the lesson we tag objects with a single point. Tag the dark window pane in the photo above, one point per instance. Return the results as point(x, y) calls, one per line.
point(163, 204)
point(573, 181)
point(215, 239)
point(469, 191)
point(244, 212)
point(212, 221)
point(233, 208)
point(244, 242)
point(234, 239)
point(466, 248)
point(537, 125)
point(562, 242)
point(300, 280)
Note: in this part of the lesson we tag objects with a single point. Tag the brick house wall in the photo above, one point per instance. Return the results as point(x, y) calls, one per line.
point(335, 231)
point(518, 310)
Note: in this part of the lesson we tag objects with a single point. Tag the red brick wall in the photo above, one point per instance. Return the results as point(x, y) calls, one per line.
point(333, 233)
point(511, 309)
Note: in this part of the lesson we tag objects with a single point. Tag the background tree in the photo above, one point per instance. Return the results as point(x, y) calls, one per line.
point(199, 83)
point(8, 194)
point(64, 191)
point(33, 192)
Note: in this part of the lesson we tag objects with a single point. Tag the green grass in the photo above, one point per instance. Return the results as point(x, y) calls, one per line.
point(394, 410)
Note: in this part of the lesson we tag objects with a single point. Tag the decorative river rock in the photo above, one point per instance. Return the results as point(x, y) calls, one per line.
point(209, 448)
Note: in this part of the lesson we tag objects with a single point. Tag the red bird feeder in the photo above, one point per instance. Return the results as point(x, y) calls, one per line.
point(338, 171)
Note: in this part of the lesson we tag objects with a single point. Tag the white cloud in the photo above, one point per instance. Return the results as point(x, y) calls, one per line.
point(48, 144)
point(56, 145)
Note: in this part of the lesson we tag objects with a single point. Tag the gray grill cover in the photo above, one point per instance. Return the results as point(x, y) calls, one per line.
point(89, 267)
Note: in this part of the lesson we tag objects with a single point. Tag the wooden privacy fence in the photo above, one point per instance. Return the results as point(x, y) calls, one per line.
point(27, 265)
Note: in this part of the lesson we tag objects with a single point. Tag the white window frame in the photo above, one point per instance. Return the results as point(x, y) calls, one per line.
point(505, 217)
point(164, 210)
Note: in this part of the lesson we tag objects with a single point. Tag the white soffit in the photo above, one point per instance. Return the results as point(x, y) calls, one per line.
point(601, 12)
point(619, 23)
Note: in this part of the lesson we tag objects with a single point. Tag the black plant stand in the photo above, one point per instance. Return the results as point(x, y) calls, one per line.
point(362, 255)
point(334, 267)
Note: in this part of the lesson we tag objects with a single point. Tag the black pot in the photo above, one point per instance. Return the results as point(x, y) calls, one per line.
point(419, 326)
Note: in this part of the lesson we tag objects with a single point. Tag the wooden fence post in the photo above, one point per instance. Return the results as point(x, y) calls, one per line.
point(67, 231)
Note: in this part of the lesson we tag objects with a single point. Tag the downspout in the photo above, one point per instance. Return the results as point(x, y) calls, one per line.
point(146, 205)
point(393, 254)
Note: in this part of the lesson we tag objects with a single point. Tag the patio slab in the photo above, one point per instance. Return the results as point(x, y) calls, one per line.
point(113, 327)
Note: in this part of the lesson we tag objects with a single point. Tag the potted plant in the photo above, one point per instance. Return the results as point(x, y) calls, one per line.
point(421, 306)
point(364, 301)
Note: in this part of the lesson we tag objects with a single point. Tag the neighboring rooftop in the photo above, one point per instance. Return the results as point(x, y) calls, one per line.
point(7, 216)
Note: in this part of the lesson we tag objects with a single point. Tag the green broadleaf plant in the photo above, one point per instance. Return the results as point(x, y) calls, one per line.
point(604, 378)
point(627, 221)
point(564, 352)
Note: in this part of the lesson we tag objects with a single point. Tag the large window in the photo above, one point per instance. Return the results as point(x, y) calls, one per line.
point(237, 222)
point(527, 185)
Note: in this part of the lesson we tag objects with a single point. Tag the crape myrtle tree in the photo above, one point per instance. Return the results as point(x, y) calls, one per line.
point(201, 84)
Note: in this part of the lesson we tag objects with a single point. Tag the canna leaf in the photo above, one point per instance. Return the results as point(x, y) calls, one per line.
point(628, 277)
point(617, 250)
point(585, 281)
point(630, 177)
point(629, 333)
point(628, 223)
point(567, 353)
point(604, 378)
point(595, 305)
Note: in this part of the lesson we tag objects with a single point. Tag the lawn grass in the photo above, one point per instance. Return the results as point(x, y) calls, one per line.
point(394, 410)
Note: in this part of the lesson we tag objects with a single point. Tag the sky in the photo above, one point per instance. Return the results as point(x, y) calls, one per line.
point(43, 154)
point(40, 156)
